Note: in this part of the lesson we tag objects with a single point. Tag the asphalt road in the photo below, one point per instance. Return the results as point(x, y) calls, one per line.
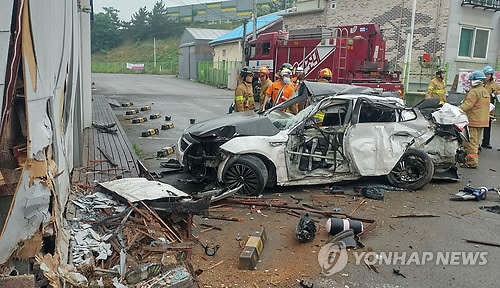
point(184, 99)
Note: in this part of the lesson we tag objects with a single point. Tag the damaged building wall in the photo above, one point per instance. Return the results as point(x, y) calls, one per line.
point(52, 72)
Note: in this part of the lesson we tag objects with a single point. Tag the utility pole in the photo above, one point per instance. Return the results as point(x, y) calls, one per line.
point(409, 45)
point(254, 19)
point(154, 50)
point(243, 43)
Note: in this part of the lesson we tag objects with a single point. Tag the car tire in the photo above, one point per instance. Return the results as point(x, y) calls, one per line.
point(246, 170)
point(413, 171)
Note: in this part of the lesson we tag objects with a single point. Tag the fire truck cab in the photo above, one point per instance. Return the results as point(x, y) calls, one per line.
point(355, 54)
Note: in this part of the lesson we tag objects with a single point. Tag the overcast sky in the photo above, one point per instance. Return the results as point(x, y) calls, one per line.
point(128, 7)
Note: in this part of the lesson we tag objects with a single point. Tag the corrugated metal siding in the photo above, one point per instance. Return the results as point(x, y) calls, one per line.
point(5, 20)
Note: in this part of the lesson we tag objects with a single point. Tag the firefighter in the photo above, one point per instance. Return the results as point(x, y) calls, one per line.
point(265, 83)
point(477, 107)
point(437, 87)
point(325, 75)
point(243, 96)
point(283, 86)
point(492, 87)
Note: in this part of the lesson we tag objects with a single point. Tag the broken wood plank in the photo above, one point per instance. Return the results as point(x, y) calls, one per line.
point(225, 209)
point(482, 242)
point(468, 213)
point(357, 207)
point(167, 247)
point(215, 265)
point(161, 221)
point(414, 216)
point(234, 219)
point(106, 155)
point(211, 226)
point(449, 214)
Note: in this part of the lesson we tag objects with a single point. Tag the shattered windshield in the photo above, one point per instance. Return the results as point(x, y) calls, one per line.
point(283, 120)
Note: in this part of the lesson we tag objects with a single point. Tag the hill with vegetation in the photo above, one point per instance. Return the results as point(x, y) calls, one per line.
point(116, 42)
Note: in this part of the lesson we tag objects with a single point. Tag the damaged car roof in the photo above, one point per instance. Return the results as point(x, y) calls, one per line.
point(326, 89)
point(246, 123)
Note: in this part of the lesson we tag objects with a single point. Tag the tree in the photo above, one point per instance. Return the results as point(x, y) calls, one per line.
point(105, 32)
point(158, 20)
point(139, 24)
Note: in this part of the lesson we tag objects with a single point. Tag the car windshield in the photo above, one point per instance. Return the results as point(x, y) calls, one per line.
point(283, 120)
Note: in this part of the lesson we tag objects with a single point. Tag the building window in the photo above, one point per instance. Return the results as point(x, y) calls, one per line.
point(486, 4)
point(224, 53)
point(333, 4)
point(473, 42)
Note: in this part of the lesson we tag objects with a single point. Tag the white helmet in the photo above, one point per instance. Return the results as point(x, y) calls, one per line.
point(299, 70)
point(286, 72)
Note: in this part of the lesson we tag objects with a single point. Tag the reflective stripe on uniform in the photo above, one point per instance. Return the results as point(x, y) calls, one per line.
point(471, 155)
point(239, 98)
point(320, 116)
point(482, 104)
point(439, 91)
point(250, 98)
point(479, 122)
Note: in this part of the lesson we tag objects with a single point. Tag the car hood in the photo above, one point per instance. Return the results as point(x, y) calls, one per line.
point(246, 123)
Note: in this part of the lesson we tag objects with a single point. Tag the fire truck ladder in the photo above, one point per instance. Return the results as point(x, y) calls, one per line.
point(342, 34)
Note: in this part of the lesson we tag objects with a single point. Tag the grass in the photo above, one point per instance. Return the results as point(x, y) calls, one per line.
point(114, 60)
point(137, 150)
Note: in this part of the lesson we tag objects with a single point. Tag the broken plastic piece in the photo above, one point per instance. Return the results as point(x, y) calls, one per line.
point(471, 193)
point(306, 229)
point(348, 238)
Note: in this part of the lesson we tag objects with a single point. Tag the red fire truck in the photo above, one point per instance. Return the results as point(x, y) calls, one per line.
point(355, 54)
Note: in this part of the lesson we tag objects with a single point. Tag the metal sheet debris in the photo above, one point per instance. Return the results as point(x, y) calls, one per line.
point(139, 189)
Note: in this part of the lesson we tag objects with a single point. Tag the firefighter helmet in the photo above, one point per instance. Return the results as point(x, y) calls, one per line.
point(264, 70)
point(477, 75)
point(299, 70)
point(286, 66)
point(246, 71)
point(325, 73)
point(488, 70)
point(440, 70)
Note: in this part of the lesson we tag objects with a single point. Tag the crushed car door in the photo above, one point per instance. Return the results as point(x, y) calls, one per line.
point(379, 134)
point(315, 147)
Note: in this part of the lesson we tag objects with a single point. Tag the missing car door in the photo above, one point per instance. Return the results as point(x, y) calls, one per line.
point(316, 147)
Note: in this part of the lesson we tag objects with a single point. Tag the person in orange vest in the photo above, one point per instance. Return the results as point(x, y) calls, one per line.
point(492, 87)
point(437, 87)
point(265, 83)
point(281, 88)
point(477, 107)
point(243, 95)
point(325, 75)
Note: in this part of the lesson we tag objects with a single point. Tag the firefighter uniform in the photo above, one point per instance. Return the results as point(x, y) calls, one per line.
point(436, 89)
point(243, 97)
point(323, 80)
point(491, 87)
point(275, 88)
point(477, 107)
point(263, 90)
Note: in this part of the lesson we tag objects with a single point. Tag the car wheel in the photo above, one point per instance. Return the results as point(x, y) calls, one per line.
point(246, 170)
point(413, 171)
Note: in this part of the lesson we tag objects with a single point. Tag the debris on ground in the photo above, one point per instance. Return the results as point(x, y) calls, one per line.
point(336, 190)
point(105, 128)
point(375, 191)
point(414, 216)
point(348, 238)
point(492, 209)
point(121, 238)
point(397, 272)
point(306, 229)
point(471, 193)
point(482, 242)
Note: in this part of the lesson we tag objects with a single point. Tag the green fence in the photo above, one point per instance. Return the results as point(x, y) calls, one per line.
point(149, 68)
point(215, 72)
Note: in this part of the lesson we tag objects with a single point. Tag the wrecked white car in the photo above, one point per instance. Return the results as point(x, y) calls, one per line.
point(356, 134)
